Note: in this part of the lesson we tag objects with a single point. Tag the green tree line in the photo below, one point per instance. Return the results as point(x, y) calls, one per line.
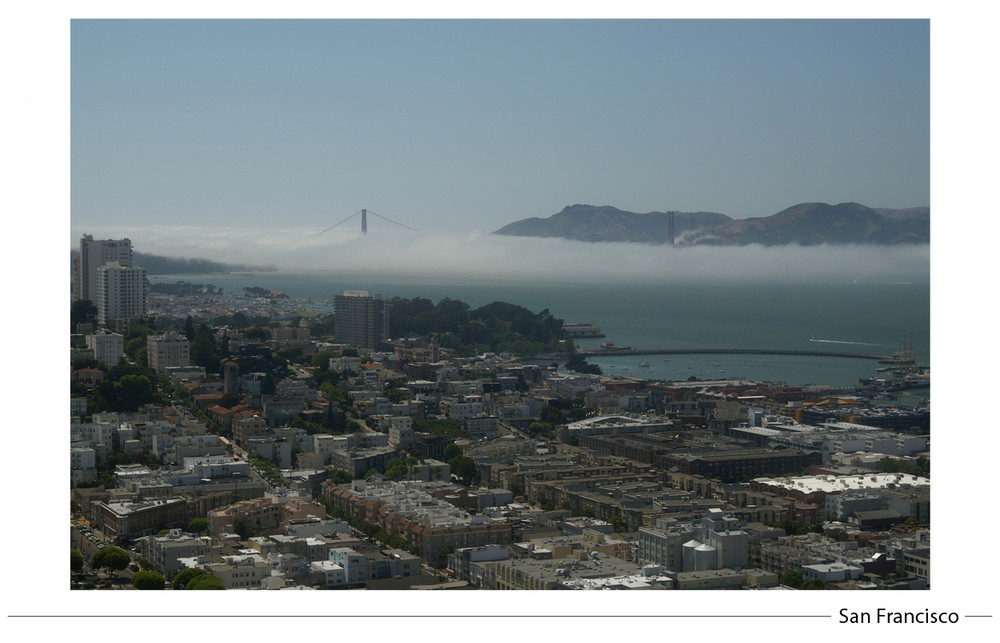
point(496, 327)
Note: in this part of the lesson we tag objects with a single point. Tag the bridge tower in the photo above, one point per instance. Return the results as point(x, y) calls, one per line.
point(364, 221)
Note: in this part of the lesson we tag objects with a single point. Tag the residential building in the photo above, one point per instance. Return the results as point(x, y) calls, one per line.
point(121, 294)
point(258, 514)
point(549, 573)
point(166, 551)
point(108, 347)
point(241, 572)
point(123, 520)
point(362, 320)
point(355, 565)
point(726, 579)
point(167, 350)
point(93, 255)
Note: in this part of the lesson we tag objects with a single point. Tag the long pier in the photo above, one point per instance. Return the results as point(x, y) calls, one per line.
point(728, 351)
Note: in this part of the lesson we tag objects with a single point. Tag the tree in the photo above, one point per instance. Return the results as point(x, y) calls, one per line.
point(148, 580)
point(340, 476)
point(203, 350)
point(321, 360)
point(112, 558)
point(206, 581)
point(134, 391)
point(578, 363)
point(452, 450)
point(538, 428)
point(241, 528)
point(262, 334)
point(792, 579)
point(395, 469)
point(75, 561)
point(82, 311)
point(198, 525)
point(463, 466)
point(185, 576)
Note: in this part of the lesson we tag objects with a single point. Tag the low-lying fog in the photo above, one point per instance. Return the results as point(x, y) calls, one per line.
point(486, 255)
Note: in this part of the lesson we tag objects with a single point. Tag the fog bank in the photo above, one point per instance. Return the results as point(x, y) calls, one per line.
point(485, 255)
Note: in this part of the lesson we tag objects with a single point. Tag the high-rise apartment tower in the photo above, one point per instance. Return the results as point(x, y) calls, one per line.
point(362, 320)
point(93, 255)
point(121, 293)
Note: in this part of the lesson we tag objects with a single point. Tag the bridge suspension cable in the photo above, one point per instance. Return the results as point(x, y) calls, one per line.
point(391, 221)
point(364, 224)
point(338, 223)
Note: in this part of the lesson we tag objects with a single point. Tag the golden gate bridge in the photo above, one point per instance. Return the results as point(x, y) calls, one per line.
point(364, 212)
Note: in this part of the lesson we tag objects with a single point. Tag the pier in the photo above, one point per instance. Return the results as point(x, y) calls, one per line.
point(728, 351)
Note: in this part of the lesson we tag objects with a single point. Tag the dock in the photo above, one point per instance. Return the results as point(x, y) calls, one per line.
point(728, 351)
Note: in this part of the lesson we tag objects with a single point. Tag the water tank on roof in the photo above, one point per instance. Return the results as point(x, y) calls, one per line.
point(687, 554)
point(704, 558)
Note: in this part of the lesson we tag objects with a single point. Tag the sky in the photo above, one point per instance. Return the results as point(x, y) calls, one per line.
point(275, 130)
point(473, 124)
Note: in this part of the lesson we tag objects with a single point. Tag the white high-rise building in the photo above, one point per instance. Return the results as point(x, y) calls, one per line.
point(121, 293)
point(93, 255)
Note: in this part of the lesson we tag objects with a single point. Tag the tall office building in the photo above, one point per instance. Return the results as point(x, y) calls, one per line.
point(121, 293)
point(93, 255)
point(362, 320)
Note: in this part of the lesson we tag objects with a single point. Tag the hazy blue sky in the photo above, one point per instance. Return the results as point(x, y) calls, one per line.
point(465, 126)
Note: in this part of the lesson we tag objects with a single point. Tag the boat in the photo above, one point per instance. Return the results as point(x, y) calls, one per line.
point(644, 364)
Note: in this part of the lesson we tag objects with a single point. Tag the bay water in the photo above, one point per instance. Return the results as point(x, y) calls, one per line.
point(850, 317)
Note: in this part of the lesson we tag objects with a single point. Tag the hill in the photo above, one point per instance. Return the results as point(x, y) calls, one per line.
point(607, 223)
point(804, 224)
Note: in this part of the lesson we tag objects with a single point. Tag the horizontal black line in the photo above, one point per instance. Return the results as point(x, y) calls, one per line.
point(419, 616)
point(978, 616)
